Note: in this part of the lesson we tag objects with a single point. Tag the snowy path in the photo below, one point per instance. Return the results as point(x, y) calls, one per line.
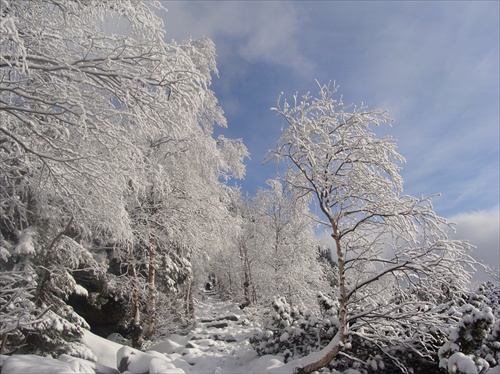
point(219, 341)
point(217, 344)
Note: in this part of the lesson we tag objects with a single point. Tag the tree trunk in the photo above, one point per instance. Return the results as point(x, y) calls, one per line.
point(322, 358)
point(151, 305)
point(135, 326)
point(3, 344)
point(188, 298)
point(246, 275)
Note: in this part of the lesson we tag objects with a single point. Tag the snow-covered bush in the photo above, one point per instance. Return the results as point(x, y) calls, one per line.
point(464, 350)
point(18, 313)
point(60, 333)
point(294, 333)
point(491, 347)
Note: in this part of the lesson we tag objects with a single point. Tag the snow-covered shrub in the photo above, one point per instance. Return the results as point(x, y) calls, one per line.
point(294, 333)
point(463, 352)
point(60, 333)
point(18, 313)
point(491, 347)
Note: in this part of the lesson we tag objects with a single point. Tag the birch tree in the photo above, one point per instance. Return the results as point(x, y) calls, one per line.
point(391, 248)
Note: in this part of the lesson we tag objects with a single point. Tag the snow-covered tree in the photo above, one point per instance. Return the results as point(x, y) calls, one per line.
point(390, 247)
point(273, 252)
point(106, 138)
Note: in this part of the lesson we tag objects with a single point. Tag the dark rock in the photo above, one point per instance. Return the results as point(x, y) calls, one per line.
point(231, 317)
point(244, 305)
point(224, 338)
point(218, 325)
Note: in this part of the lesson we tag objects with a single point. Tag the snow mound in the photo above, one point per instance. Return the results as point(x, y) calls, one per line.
point(172, 344)
point(87, 366)
point(105, 350)
point(31, 364)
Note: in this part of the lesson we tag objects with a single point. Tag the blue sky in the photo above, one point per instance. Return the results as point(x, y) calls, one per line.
point(434, 66)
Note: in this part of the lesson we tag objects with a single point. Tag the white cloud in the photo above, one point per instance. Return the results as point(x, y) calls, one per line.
point(256, 31)
point(481, 228)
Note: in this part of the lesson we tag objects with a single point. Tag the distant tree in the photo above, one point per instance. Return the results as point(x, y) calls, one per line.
point(286, 246)
point(270, 250)
point(389, 247)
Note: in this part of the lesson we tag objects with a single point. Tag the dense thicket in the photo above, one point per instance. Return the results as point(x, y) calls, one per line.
point(467, 339)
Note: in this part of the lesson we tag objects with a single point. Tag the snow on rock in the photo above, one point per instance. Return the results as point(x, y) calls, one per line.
point(266, 363)
point(31, 364)
point(87, 366)
point(105, 350)
point(134, 361)
point(171, 344)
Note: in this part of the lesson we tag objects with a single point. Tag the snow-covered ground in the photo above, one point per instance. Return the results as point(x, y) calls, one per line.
point(218, 344)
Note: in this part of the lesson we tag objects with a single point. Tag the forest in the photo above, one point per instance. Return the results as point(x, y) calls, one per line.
point(120, 214)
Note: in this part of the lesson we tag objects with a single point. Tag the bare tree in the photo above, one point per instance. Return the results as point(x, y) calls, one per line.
point(391, 248)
